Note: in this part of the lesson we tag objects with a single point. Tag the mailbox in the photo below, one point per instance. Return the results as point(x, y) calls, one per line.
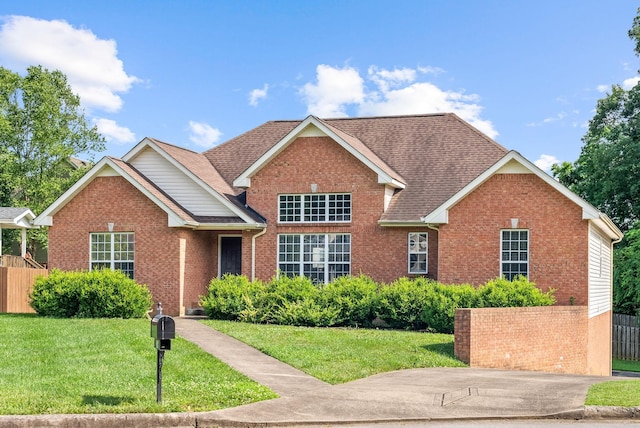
point(163, 329)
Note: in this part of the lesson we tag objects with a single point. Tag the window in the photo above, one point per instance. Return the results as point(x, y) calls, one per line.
point(112, 251)
point(418, 252)
point(515, 253)
point(315, 208)
point(322, 258)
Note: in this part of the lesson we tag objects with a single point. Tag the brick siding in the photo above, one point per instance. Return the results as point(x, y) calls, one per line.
point(157, 247)
point(375, 251)
point(469, 249)
point(558, 339)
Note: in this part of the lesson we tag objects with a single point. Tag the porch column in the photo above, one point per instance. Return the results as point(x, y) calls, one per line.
point(23, 249)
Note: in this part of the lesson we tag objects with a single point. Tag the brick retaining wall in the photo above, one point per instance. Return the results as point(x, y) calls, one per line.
point(559, 339)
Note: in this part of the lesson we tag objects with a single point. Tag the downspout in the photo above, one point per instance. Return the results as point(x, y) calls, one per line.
point(253, 253)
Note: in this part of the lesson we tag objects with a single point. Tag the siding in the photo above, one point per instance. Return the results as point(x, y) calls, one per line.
point(599, 274)
point(178, 185)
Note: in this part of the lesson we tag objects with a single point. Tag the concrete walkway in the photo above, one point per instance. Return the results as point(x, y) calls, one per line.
point(407, 395)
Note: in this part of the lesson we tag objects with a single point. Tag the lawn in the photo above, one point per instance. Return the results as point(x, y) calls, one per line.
point(50, 366)
point(337, 355)
point(108, 366)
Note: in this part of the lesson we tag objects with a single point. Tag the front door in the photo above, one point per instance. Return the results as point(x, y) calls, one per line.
point(230, 255)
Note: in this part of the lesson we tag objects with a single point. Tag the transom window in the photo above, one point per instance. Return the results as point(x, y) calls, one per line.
point(315, 208)
point(113, 251)
point(320, 257)
point(418, 252)
point(514, 247)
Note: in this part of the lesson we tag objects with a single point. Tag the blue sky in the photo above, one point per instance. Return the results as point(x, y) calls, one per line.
point(197, 73)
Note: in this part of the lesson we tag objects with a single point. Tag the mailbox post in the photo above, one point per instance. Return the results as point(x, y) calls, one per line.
point(163, 329)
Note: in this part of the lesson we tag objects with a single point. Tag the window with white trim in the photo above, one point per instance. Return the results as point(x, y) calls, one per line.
point(418, 252)
point(315, 208)
point(514, 249)
point(112, 251)
point(320, 257)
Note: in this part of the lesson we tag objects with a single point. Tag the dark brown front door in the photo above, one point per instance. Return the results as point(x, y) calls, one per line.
point(231, 255)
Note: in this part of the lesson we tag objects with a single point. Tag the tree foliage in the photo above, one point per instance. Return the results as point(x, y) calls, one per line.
point(42, 127)
point(607, 174)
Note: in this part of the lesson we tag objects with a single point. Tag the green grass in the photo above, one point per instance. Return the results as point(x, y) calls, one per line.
point(626, 366)
point(337, 355)
point(52, 365)
point(624, 393)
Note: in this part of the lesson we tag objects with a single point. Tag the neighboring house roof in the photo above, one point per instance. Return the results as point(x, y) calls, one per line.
point(16, 218)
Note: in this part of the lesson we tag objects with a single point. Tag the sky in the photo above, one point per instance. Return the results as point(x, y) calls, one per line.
point(198, 73)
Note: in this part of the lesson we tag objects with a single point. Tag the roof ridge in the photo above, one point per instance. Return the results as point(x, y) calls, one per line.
point(155, 140)
point(477, 131)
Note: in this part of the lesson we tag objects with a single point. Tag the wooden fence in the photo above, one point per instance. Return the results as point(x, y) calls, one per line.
point(625, 337)
point(15, 285)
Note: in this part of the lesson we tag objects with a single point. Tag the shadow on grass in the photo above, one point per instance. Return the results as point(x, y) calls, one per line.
point(445, 349)
point(105, 400)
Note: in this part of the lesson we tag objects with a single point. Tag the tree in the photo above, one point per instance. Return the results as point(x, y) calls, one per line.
point(41, 128)
point(607, 174)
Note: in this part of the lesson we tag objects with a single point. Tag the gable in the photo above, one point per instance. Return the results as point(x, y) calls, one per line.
point(514, 163)
point(178, 185)
point(312, 126)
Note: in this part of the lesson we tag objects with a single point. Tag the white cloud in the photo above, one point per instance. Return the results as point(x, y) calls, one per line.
point(603, 88)
point(203, 134)
point(334, 90)
point(630, 83)
point(91, 64)
point(258, 94)
point(390, 92)
point(545, 162)
point(113, 132)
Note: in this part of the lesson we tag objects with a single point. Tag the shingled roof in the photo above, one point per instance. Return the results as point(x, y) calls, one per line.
point(436, 155)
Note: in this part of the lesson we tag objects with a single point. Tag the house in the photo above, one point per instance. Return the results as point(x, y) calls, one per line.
point(424, 195)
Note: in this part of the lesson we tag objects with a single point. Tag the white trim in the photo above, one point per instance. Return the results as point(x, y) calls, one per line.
point(409, 253)
point(508, 165)
point(235, 235)
point(326, 208)
point(244, 179)
point(139, 148)
point(528, 275)
point(46, 218)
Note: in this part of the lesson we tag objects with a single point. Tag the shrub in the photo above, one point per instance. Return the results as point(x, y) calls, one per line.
point(501, 293)
point(353, 298)
point(441, 303)
point(282, 291)
point(95, 294)
point(230, 296)
point(400, 304)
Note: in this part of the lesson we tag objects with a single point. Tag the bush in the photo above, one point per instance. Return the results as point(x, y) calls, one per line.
point(400, 303)
point(353, 298)
point(95, 294)
point(417, 304)
point(230, 296)
point(502, 293)
point(441, 304)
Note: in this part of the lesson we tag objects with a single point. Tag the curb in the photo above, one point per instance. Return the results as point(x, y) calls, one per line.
point(209, 419)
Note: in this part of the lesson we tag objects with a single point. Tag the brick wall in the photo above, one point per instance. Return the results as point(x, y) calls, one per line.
point(375, 251)
point(470, 243)
point(599, 350)
point(557, 339)
point(157, 247)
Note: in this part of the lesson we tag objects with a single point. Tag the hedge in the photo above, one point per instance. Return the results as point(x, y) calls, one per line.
point(413, 304)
